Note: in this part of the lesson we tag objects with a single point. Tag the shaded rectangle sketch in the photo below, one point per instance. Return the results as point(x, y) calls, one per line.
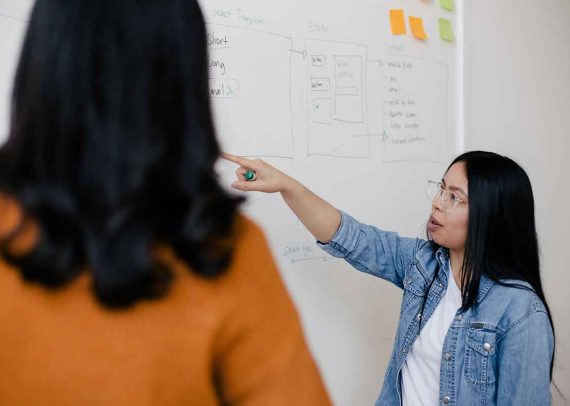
point(318, 60)
point(320, 85)
point(321, 110)
point(250, 90)
point(337, 99)
point(415, 108)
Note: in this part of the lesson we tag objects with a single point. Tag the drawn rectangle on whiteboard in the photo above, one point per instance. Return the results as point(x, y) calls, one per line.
point(350, 108)
point(319, 60)
point(250, 90)
point(223, 88)
point(345, 68)
point(321, 110)
point(348, 72)
point(415, 109)
point(320, 84)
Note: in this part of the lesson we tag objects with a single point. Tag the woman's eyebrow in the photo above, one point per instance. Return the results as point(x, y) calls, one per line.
point(459, 189)
point(454, 188)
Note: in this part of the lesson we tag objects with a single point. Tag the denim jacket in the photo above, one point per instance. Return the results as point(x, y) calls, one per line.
point(496, 353)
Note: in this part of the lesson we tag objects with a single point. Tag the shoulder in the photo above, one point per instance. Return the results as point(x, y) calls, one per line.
point(249, 287)
point(250, 257)
point(252, 261)
point(250, 276)
point(513, 302)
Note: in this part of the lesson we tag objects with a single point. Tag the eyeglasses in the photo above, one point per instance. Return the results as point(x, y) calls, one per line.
point(449, 200)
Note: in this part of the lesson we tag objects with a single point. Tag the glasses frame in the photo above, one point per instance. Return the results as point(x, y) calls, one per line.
point(444, 195)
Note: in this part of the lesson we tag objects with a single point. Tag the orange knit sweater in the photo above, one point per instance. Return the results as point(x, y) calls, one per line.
point(233, 340)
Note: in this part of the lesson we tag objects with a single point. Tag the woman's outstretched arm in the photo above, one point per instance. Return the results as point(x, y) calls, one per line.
point(317, 215)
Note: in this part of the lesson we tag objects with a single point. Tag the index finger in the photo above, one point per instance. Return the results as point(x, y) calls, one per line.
point(247, 163)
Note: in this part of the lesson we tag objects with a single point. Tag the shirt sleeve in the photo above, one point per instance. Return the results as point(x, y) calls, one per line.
point(377, 252)
point(261, 357)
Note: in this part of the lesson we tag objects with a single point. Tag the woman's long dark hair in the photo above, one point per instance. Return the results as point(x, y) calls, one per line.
point(501, 241)
point(111, 147)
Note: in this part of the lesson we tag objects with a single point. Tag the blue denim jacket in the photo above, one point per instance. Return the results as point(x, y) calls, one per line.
point(496, 353)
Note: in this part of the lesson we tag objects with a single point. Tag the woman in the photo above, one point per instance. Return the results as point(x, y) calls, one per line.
point(126, 275)
point(475, 328)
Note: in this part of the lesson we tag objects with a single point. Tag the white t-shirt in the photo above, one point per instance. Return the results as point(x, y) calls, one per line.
point(420, 372)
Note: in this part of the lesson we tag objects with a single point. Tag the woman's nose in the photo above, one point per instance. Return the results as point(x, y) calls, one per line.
point(436, 203)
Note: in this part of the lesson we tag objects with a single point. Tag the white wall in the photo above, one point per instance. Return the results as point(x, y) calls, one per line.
point(517, 102)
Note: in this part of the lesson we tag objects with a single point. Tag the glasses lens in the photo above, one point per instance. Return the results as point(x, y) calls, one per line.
point(432, 190)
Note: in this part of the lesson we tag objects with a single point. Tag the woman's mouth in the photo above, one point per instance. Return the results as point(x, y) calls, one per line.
point(433, 224)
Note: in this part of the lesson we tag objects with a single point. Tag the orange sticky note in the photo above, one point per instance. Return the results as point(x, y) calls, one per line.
point(398, 22)
point(417, 26)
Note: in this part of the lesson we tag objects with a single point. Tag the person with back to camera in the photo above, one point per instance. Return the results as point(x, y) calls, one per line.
point(475, 327)
point(127, 276)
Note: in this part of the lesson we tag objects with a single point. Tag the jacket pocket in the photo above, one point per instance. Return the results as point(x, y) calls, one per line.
point(480, 357)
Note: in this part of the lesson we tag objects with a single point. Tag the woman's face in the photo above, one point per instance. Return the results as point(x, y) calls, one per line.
point(447, 225)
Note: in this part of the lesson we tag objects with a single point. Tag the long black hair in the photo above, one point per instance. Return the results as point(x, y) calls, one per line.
point(111, 147)
point(501, 240)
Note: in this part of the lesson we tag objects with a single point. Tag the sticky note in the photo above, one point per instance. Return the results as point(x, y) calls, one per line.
point(447, 4)
point(398, 22)
point(417, 26)
point(445, 30)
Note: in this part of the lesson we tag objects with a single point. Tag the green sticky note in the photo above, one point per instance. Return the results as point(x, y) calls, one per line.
point(447, 4)
point(445, 30)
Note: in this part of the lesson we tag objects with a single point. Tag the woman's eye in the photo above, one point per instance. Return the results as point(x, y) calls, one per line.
point(455, 197)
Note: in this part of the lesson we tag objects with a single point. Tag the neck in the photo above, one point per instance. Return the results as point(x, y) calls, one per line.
point(456, 260)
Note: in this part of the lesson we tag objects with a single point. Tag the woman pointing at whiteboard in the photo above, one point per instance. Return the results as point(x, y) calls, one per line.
point(475, 327)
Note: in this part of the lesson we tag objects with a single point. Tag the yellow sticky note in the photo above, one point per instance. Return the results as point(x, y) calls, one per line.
point(445, 30)
point(398, 22)
point(447, 4)
point(417, 26)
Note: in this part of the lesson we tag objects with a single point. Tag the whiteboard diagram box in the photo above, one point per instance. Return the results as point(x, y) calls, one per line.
point(319, 60)
point(322, 110)
point(320, 85)
point(415, 108)
point(250, 90)
point(348, 74)
point(348, 108)
point(336, 84)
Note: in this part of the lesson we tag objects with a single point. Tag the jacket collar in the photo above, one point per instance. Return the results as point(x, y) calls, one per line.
point(442, 257)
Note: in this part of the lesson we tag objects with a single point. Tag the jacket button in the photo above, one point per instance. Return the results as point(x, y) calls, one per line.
point(447, 356)
point(419, 317)
point(446, 399)
point(487, 346)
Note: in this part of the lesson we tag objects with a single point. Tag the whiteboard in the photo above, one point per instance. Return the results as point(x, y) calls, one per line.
point(323, 90)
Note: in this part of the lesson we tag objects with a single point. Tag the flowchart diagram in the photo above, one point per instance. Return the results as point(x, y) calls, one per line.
point(336, 99)
point(250, 88)
point(253, 77)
